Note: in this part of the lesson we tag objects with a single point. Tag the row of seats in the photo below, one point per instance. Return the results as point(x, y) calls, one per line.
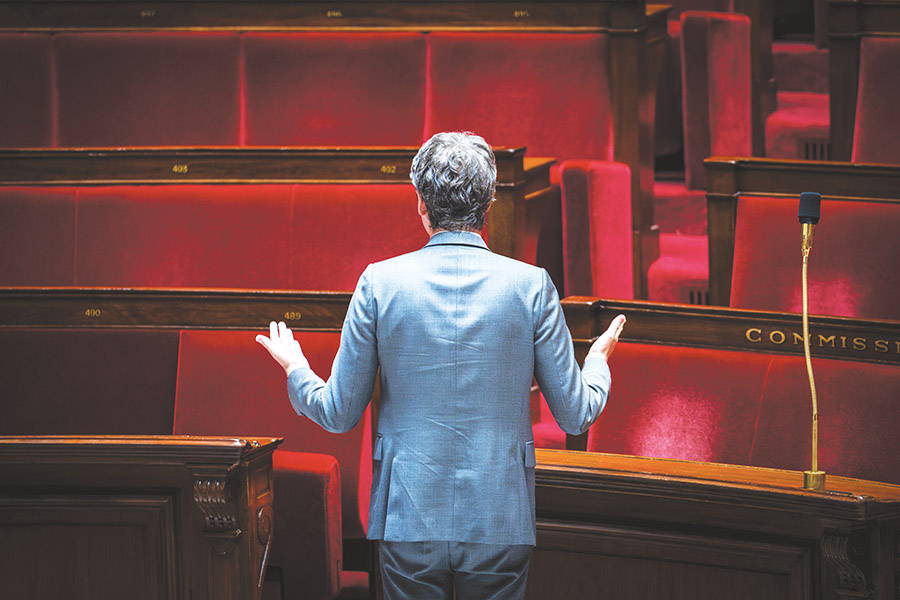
point(163, 382)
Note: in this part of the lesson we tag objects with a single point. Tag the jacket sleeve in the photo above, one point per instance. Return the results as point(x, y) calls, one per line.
point(338, 404)
point(576, 397)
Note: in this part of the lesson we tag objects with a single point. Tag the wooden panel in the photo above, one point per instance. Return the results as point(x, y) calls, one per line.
point(145, 516)
point(733, 329)
point(729, 178)
point(516, 176)
point(650, 528)
point(583, 15)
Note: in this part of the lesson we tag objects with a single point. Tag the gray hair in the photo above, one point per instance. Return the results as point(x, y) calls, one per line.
point(456, 175)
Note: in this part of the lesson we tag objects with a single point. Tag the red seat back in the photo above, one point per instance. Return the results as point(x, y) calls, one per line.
point(184, 236)
point(37, 236)
point(334, 89)
point(148, 89)
point(858, 416)
point(26, 105)
point(547, 91)
point(229, 385)
point(716, 89)
point(854, 265)
point(338, 229)
point(681, 403)
point(876, 129)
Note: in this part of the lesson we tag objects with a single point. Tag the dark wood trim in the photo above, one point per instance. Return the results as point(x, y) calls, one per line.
point(130, 15)
point(741, 330)
point(848, 22)
point(170, 308)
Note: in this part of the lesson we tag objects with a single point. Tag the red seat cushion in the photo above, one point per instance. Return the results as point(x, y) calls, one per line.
point(801, 120)
point(334, 89)
point(858, 415)
point(229, 385)
point(681, 403)
point(37, 236)
point(549, 92)
point(148, 89)
point(875, 132)
point(339, 229)
point(87, 382)
point(853, 265)
point(232, 236)
point(26, 104)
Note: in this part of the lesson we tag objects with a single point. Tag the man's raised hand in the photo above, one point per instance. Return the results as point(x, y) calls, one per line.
point(283, 347)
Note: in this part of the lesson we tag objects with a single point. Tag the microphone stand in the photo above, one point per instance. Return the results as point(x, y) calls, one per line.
point(813, 479)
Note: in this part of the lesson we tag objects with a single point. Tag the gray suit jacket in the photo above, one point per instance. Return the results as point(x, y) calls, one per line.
point(458, 333)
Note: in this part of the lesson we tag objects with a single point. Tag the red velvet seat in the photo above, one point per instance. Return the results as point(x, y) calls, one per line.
point(682, 403)
point(26, 105)
point(853, 265)
point(228, 385)
point(716, 86)
point(148, 89)
point(858, 415)
point(87, 382)
point(338, 229)
point(334, 89)
point(231, 236)
point(37, 236)
point(875, 132)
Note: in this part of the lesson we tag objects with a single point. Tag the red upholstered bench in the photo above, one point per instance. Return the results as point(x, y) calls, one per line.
point(727, 385)
point(228, 385)
point(876, 129)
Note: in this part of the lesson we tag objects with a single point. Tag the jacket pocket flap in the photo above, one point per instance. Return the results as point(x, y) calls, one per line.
point(530, 460)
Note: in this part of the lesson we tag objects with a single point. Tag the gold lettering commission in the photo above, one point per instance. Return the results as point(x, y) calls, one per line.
point(756, 335)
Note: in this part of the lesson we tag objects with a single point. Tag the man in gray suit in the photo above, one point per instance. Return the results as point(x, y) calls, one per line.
point(458, 333)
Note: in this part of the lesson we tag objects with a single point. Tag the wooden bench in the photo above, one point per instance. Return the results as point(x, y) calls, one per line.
point(725, 385)
point(304, 218)
point(201, 73)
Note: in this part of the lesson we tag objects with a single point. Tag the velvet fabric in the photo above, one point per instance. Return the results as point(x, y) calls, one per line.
point(306, 543)
point(230, 236)
point(875, 132)
point(334, 89)
point(801, 118)
point(682, 267)
point(37, 236)
point(682, 403)
point(26, 104)
point(148, 89)
point(547, 91)
point(853, 264)
point(87, 382)
point(716, 89)
point(229, 385)
point(338, 229)
point(596, 213)
point(858, 415)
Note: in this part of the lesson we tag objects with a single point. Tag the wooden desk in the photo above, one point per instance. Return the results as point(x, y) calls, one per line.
point(629, 527)
point(107, 517)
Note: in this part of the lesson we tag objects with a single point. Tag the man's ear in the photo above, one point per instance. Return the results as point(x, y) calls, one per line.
point(490, 204)
point(423, 210)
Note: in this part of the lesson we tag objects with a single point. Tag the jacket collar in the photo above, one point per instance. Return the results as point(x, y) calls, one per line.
point(457, 238)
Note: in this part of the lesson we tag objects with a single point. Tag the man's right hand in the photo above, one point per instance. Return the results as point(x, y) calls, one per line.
point(604, 345)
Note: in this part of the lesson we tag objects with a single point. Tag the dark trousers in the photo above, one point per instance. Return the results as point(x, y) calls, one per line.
point(433, 570)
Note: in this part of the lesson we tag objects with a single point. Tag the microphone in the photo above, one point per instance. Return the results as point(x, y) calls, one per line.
point(808, 216)
point(814, 479)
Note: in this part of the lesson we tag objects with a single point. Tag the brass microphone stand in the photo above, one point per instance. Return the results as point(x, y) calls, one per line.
point(813, 479)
